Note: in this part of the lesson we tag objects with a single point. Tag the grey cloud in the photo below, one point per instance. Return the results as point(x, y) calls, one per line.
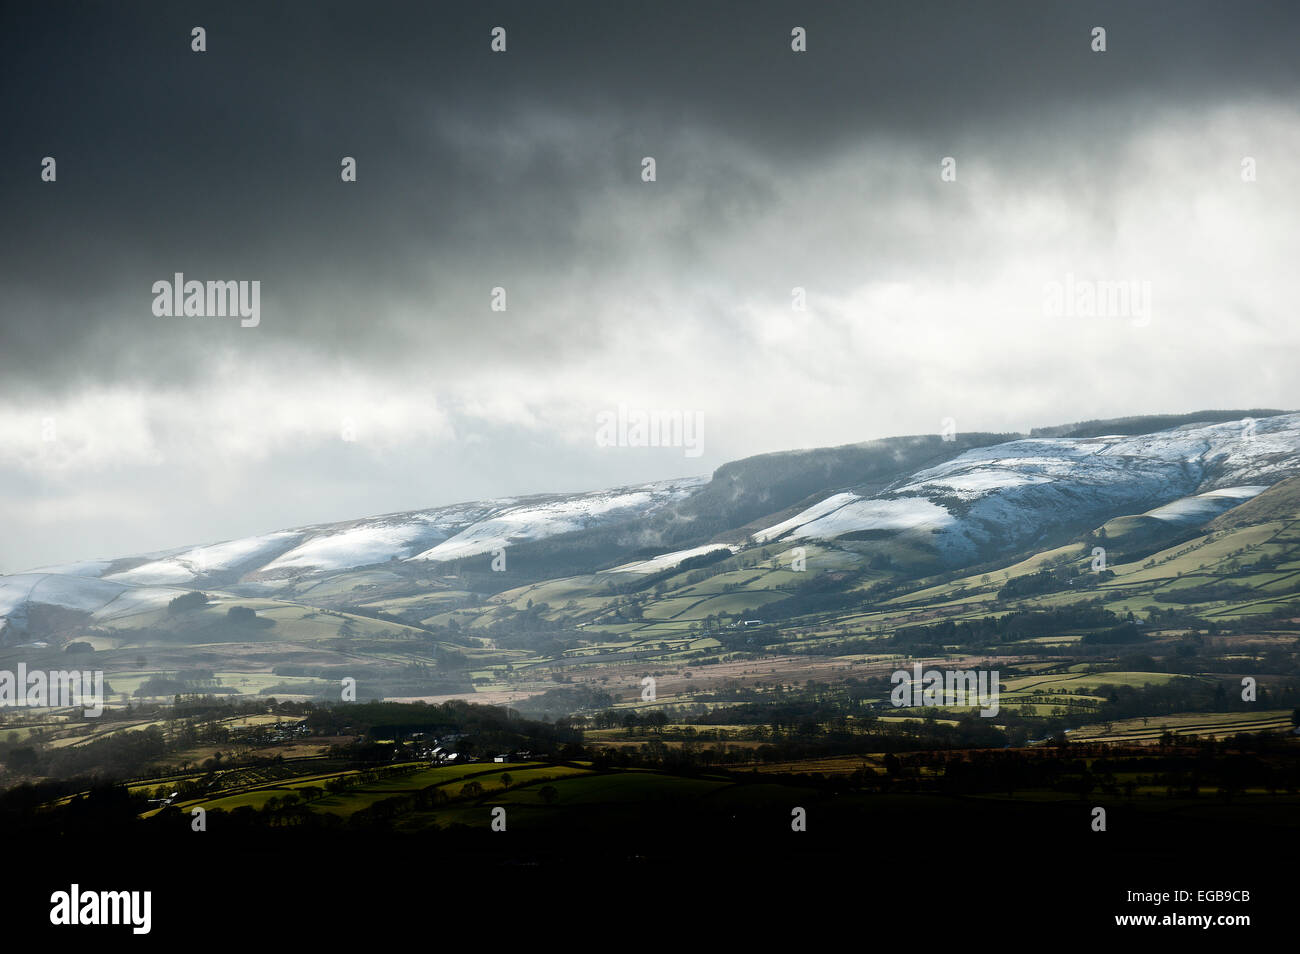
point(522, 170)
point(225, 164)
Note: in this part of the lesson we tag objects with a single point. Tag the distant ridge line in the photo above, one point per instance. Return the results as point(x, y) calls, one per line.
point(1147, 423)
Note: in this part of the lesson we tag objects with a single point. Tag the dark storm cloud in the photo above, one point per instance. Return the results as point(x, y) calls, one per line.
point(475, 168)
point(123, 432)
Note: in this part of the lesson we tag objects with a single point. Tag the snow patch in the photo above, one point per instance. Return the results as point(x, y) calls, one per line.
point(830, 504)
point(536, 521)
point(902, 513)
point(198, 563)
point(666, 560)
point(1203, 507)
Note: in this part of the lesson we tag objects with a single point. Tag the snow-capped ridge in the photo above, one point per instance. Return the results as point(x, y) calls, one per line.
point(1009, 494)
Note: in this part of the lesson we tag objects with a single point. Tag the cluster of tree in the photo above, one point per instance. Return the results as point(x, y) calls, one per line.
point(1010, 627)
point(120, 752)
point(806, 740)
point(1189, 695)
point(1206, 593)
point(176, 683)
point(1218, 767)
point(245, 616)
point(47, 621)
point(1122, 634)
point(1033, 584)
point(187, 601)
point(479, 729)
point(554, 704)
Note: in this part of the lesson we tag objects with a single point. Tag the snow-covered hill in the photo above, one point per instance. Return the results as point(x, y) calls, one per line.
point(1204, 507)
point(103, 600)
point(1016, 493)
point(984, 500)
point(446, 533)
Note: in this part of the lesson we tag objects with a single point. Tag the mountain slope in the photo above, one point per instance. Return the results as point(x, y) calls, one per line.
point(952, 502)
point(997, 499)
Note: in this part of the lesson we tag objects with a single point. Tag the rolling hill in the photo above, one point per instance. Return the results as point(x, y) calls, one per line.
point(867, 538)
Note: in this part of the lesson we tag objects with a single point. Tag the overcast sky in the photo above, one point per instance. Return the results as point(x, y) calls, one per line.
point(123, 432)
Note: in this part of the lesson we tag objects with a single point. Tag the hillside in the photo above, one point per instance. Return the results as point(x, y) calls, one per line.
point(846, 546)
